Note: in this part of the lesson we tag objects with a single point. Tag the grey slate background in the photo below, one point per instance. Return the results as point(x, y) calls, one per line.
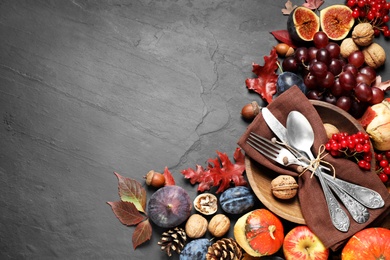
point(92, 87)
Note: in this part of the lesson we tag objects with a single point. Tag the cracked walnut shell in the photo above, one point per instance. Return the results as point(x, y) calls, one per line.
point(374, 55)
point(206, 203)
point(363, 34)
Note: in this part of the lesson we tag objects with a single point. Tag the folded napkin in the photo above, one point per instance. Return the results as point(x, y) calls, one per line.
point(311, 196)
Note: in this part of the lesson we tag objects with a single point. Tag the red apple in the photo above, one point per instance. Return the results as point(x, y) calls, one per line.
point(302, 244)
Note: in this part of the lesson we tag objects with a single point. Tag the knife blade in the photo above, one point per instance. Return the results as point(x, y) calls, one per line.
point(273, 123)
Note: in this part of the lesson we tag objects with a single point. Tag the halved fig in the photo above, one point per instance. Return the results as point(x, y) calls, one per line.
point(302, 24)
point(336, 21)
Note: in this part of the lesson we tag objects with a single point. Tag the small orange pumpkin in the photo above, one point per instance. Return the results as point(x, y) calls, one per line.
point(259, 232)
point(368, 244)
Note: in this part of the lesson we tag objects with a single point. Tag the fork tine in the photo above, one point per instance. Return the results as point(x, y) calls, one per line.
point(273, 144)
point(260, 150)
point(264, 142)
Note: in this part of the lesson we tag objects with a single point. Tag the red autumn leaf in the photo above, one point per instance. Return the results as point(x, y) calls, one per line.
point(265, 83)
point(126, 212)
point(142, 233)
point(169, 180)
point(131, 191)
point(220, 172)
point(288, 8)
point(313, 4)
point(283, 36)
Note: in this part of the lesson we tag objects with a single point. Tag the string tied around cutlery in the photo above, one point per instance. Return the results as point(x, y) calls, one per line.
point(312, 165)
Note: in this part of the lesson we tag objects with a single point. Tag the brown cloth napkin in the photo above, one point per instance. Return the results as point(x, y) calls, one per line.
point(311, 196)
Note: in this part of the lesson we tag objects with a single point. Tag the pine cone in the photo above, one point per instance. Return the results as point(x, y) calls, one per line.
point(225, 248)
point(173, 240)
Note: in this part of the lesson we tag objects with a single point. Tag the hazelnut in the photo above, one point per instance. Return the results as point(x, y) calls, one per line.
point(250, 111)
point(363, 34)
point(196, 226)
point(374, 55)
point(206, 203)
point(155, 179)
point(348, 46)
point(284, 187)
point(284, 49)
point(219, 225)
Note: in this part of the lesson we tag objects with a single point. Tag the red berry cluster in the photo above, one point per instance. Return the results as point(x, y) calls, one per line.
point(356, 146)
point(383, 165)
point(375, 12)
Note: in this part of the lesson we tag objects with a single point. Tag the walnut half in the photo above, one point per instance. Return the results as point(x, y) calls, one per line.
point(206, 203)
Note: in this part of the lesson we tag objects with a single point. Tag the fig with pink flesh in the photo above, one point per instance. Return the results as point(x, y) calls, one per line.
point(169, 206)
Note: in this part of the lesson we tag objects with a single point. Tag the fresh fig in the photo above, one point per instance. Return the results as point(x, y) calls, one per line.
point(169, 206)
point(302, 24)
point(336, 21)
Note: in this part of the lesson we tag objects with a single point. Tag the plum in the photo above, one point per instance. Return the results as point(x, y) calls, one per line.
point(195, 250)
point(169, 206)
point(288, 79)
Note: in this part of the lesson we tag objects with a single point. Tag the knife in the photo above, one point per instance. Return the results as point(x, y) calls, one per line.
point(273, 123)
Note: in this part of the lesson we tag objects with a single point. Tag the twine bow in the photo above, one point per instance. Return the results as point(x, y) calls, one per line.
point(316, 162)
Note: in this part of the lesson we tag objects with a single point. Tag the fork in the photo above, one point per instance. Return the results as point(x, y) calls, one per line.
point(367, 197)
point(281, 155)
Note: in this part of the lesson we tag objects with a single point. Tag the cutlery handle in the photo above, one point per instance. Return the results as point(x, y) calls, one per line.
point(338, 216)
point(358, 212)
point(368, 197)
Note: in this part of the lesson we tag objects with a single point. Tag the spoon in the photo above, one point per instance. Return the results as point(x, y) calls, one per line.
point(300, 135)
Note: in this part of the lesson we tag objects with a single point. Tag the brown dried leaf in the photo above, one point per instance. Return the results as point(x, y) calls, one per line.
point(289, 8)
point(142, 233)
point(381, 85)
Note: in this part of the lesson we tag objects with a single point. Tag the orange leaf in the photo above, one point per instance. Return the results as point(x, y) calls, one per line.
point(142, 233)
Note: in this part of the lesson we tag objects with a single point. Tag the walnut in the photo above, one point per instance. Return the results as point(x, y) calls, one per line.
point(206, 203)
point(219, 225)
point(363, 34)
point(284, 187)
point(348, 46)
point(374, 55)
point(196, 226)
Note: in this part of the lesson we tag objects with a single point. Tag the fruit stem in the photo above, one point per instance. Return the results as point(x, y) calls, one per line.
point(271, 230)
point(279, 66)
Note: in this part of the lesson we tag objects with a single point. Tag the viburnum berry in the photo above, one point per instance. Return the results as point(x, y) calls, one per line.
point(383, 163)
point(383, 177)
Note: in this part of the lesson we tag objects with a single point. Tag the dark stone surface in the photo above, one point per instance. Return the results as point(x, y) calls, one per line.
point(92, 87)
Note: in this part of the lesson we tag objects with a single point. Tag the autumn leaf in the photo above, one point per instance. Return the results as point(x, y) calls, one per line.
point(221, 172)
point(313, 4)
point(169, 180)
point(381, 85)
point(283, 36)
point(131, 191)
point(126, 212)
point(265, 83)
point(142, 233)
point(288, 8)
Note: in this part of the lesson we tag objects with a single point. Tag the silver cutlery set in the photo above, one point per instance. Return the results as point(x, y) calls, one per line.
point(298, 135)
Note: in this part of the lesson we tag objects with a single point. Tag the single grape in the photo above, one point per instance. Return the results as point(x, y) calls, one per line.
point(314, 94)
point(356, 58)
point(335, 66)
point(363, 78)
point(320, 39)
point(312, 52)
point(377, 96)
point(337, 90)
point(323, 55)
point(329, 98)
point(363, 92)
point(318, 69)
point(328, 81)
point(310, 81)
point(369, 72)
point(351, 68)
point(344, 103)
point(347, 80)
point(357, 108)
point(333, 49)
point(290, 64)
point(301, 55)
